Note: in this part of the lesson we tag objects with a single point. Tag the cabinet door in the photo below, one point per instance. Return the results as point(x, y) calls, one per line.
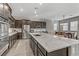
point(35, 49)
point(37, 24)
point(19, 35)
point(33, 46)
point(40, 52)
point(18, 23)
point(5, 10)
point(1, 9)
point(12, 40)
point(9, 42)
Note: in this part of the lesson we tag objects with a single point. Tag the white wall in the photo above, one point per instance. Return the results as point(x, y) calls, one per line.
point(49, 26)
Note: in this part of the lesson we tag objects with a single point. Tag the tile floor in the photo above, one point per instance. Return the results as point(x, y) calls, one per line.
point(21, 48)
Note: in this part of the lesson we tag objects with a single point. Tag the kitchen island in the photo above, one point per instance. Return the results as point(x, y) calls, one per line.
point(50, 45)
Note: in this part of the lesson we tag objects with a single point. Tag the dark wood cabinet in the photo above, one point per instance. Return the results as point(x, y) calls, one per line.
point(12, 40)
point(37, 24)
point(18, 23)
point(37, 51)
point(33, 45)
point(19, 35)
point(1, 9)
point(5, 10)
point(40, 53)
point(26, 22)
point(41, 50)
point(12, 22)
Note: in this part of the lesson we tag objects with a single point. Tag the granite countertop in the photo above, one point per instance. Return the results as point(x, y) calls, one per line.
point(12, 33)
point(52, 42)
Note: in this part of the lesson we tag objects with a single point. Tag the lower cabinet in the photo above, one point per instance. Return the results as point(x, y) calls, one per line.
point(12, 40)
point(37, 51)
point(41, 50)
point(19, 35)
point(33, 45)
point(40, 53)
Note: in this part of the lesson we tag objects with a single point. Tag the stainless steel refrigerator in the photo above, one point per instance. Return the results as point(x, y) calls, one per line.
point(26, 31)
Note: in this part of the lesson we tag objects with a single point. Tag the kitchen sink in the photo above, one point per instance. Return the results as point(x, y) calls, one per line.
point(37, 35)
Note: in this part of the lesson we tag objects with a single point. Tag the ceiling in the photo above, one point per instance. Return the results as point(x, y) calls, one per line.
point(54, 11)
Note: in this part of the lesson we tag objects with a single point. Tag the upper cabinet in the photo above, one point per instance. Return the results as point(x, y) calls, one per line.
point(26, 22)
point(1, 9)
point(12, 22)
point(5, 10)
point(38, 24)
point(18, 23)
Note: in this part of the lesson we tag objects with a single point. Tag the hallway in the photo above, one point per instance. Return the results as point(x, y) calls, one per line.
point(21, 48)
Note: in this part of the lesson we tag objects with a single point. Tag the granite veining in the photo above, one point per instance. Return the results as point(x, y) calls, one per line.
point(52, 42)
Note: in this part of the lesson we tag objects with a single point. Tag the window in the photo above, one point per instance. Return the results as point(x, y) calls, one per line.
point(61, 27)
point(65, 26)
point(55, 27)
point(74, 26)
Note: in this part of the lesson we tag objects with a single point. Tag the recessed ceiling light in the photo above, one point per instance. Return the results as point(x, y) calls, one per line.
point(36, 15)
point(41, 3)
point(1, 5)
point(21, 9)
point(6, 7)
point(35, 12)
